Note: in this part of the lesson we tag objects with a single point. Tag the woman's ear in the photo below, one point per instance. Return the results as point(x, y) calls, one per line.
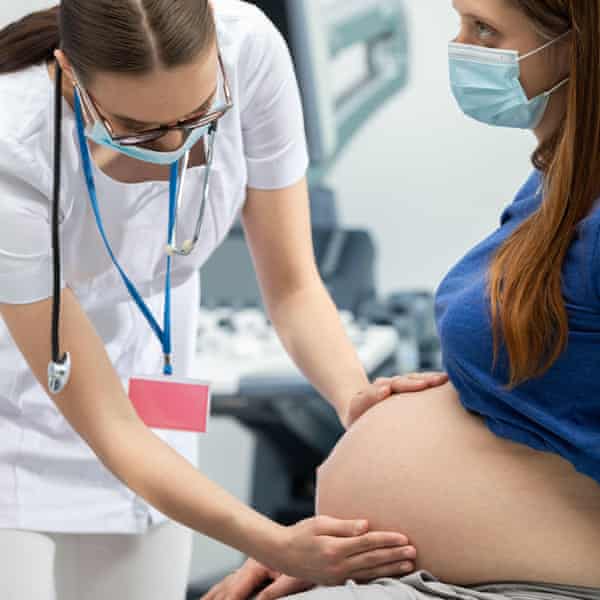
point(65, 65)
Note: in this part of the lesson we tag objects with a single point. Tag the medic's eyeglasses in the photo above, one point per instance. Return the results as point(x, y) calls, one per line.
point(151, 135)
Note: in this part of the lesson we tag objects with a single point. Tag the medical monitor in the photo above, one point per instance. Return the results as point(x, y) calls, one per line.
point(351, 56)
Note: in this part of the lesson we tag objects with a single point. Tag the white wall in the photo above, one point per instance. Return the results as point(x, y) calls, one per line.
point(11, 10)
point(428, 182)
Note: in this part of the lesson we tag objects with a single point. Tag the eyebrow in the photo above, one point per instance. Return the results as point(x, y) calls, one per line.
point(202, 108)
point(483, 19)
point(475, 17)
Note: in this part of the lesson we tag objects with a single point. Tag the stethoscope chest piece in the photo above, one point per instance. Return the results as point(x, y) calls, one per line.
point(58, 374)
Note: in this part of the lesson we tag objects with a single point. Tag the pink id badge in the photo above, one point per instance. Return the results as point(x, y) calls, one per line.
point(171, 403)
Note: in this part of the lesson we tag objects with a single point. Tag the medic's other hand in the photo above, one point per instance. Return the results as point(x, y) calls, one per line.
point(243, 583)
point(251, 579)
point(329, 551)
point(381, 389)
point(284, 586)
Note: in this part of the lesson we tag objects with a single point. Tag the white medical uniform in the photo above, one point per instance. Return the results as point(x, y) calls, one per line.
point(50, 480)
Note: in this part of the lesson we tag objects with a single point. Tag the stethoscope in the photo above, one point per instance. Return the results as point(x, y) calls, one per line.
point(188, 246)
point(59, 368)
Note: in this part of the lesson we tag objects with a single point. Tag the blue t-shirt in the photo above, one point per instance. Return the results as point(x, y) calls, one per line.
point(560, 411)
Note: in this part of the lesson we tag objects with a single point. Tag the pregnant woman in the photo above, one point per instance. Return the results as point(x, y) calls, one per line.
point(494, 476)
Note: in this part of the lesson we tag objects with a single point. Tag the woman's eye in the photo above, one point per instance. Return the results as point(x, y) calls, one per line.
point(483, 30)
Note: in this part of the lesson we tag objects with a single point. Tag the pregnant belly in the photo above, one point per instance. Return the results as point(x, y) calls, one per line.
point(477, 507)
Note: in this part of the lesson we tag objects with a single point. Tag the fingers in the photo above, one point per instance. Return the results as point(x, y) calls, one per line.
point(417, 381)
point(411, 382)
point(376, 392)
point(384, 387)
point(371, 556)
point(241, 584)
point(380, 388)
point(243, 587)
point(372, 541)
point(363, 402)
point(329, 526)
point(284, 586)
point(398, 569)
point(215, 591)
point(428, 375)
point(381, 557)
point(407, 384)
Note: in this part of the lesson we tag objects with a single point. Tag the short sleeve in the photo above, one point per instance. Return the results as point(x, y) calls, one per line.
point(25, 240)
point(271, 111)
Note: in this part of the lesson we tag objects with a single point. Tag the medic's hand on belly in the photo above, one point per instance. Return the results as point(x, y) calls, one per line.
point(381, 389)
point(379, 558)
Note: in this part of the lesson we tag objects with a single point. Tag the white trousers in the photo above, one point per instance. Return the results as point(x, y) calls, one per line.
point(50, 566)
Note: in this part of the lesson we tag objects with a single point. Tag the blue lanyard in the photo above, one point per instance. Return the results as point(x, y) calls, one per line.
point(164, 336)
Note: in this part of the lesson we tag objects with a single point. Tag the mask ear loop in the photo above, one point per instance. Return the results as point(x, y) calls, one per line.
point(546, 45)
point(59, 369)
point(550, 43)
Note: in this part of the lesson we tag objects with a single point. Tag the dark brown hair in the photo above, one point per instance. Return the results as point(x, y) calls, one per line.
point(528, 307)
point(125, 36)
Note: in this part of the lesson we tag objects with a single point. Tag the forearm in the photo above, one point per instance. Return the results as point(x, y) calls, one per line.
point(158, 474)
point(308, 324)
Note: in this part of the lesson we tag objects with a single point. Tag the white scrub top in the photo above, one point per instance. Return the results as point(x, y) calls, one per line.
point(50, 480)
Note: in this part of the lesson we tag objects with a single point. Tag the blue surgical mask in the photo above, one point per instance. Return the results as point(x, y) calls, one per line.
point(487, 86)
point(98, 134)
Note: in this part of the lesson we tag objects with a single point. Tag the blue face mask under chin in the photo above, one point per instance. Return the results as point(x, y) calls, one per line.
point(487, 86)
point(98, 134)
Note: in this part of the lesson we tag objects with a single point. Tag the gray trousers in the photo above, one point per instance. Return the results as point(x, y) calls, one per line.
point(422, 585)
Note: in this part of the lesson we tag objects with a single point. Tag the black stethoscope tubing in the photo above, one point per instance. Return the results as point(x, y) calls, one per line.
point(59, 368)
